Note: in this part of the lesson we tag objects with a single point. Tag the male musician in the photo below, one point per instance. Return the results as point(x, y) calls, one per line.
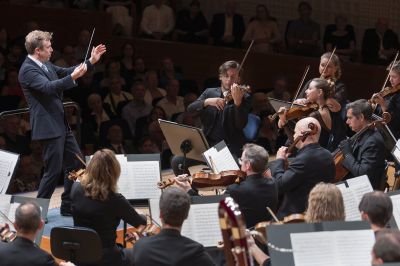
point(311, 165)
point(386, 248)
point(256, 192)
point(376, 207)
point(22, 251)
point(222, 120)
point(169, 247)
point(364, 155)
point(43, 84)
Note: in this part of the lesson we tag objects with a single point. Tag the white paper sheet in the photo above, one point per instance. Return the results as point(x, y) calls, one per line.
point(8, 161)
point(202, 224)
point(221, 160)
point(396, 208)
point(333, 248)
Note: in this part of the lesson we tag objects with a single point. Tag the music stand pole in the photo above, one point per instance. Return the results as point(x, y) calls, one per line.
point(186, 147)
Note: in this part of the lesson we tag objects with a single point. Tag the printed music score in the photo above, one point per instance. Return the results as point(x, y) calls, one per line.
point(8, 161)
point(221, 160)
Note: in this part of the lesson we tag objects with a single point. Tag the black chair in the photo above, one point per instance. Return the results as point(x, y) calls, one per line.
point(79, 245)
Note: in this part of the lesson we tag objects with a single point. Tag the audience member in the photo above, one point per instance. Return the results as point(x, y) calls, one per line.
point(172, 103)
point(127, 63)
point(227, 28)
point(168, 71)
point(117, 98)
point(169, 247)
point(263, 30)
point(157, 21)
point(68, 57)
point(303, 34)
point(142, 123)
point(115, 138)
point(340, 35)
point(153, 93)
point(379, 44)
point(191, 25)
point(280, 90)
point(137, 107)
point(12, 86)
point(15, 142)
point(139, 69)
point(113, 70)
point(82, 45)
point(377, 208)
point(325, 204)
point(121, 19)
point(146, 145)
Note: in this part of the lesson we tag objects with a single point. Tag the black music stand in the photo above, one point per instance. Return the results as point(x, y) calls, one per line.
point(76, 244)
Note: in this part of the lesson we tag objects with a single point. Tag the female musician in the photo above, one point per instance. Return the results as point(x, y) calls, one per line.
point(97, 205)
point(332, 126)
point(325, 203)
point(391, 103)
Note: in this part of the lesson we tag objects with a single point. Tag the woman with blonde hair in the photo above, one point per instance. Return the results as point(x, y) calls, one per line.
point(325, 203)
point(96, 204)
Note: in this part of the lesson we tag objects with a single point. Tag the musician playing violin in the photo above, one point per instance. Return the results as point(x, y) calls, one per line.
point(256, 192)
point(391, 103)
point(366, 154)
point(222, 120)
point(311, 165)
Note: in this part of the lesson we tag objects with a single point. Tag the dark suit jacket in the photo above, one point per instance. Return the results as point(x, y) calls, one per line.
point(371, 44)
point(218, 28)
point(312, 164)
point(44, 92)
point(368, 158)
point(22, 252)
point(254, 195)
point(168, 248)
point(234, 119)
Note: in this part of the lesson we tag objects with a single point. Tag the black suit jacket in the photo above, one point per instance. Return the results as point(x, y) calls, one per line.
point(22, 252)
point(168, 248)
point(368, 158)
point(312, 164)
point(218, 28)
point(371, 44)
point(254, 195)
point(233, 119)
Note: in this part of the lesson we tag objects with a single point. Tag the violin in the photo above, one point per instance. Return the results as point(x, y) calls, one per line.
point(152, 228)
point(338, 155)
point(386, 92)
point(77, 174)
point(208, 180)
point(297, 111)
point(6, 235)
point(228, 94)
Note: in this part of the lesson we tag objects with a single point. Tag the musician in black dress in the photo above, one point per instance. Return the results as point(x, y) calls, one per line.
point(96, 204)
point(364, 155)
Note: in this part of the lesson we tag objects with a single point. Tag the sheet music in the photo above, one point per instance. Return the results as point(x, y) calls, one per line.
point(5, 207)
point(202, 224)
point(222, 160)
point(360, 185)
point(139, 180)
point(347, 247)
point(396, 208)
point(8, 161)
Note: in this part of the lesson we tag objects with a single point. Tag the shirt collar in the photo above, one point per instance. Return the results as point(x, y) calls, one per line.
point(35, 60)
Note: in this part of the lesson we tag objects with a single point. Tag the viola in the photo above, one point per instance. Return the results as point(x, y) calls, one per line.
point(208, 180)
point(150, 229)
point(228, 94)
point(338, 156)
point(297, 111)
point(312, 130)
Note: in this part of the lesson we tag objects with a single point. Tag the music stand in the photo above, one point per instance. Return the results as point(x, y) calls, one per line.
point(185, 141)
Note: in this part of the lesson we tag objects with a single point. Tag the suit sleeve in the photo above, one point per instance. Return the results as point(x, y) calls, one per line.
point(292, 177)
point(198, 105)
point(128, 213)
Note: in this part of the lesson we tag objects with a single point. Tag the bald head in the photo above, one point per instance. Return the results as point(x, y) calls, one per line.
point(27, 218)
point(302, 126)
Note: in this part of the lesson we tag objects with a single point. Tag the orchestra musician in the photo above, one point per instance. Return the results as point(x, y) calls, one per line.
point(386, 248)
point(391, 103)
point(366, 155)
point(256, 192)
point(43, 84)
point(333, 129)
point(377, 208)
point(221, 120)
point(96, 204)
point(22, 250)
point(169, 247)
point(311, 165)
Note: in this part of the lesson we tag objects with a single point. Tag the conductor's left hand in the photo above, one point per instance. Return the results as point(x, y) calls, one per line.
point(97, 52)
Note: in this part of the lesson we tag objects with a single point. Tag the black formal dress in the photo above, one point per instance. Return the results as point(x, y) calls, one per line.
point(22, 252)
point(254, 195)
point(312, 164)
point(168, 248)
point(104, 217)
point(368, 158)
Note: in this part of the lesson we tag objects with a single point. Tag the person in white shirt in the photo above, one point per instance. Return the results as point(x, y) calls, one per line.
point(172, 103)
point(157, 21)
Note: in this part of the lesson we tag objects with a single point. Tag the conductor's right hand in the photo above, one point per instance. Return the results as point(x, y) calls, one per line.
point(217, 102)
point(79, 71)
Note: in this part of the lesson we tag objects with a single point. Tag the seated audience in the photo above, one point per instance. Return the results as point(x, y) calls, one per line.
point(157, 21)
point(191, 25)
point(117, 98)
point(168, 71)
point(153, 93)
point(96, 204)
point(341, 35)
point(377, 208)
point(169, 247)
point(172, 103)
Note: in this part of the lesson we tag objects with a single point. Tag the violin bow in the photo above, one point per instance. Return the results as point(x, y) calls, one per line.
point(390, 69)
point(154, 221)
point(273, 214)
point(300, 85)
point(245, 56)
point(80, 159)
point(90, 43)
point(6, 217)
point(327, 64)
